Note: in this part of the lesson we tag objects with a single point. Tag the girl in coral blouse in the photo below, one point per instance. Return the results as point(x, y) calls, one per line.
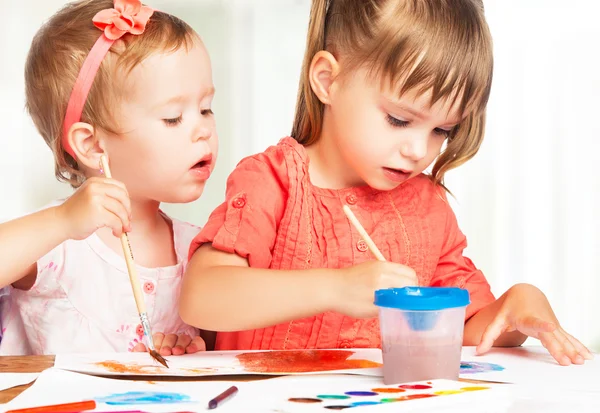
point(388, 88)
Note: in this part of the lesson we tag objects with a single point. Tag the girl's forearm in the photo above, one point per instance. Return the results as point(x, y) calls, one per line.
point(235, 298)
point(24, 240)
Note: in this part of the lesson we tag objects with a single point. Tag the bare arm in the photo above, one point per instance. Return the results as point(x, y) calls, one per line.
point(219, 289)
point(23, 241)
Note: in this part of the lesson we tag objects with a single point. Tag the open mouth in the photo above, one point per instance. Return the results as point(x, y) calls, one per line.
point(397, 175)
point(398, 171)
point(203, 163)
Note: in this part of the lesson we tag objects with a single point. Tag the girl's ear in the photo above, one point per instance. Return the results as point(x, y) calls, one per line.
point(85, 144)
point(324, 68)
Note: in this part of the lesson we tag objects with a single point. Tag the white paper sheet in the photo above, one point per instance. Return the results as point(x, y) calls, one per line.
point(533, 367)
point(56, 386)
point(10, 380)
point(227, 363)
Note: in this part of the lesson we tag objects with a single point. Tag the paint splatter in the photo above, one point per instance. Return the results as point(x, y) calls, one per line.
point(136, 369)
point(139, 397)
point(301, 361)
point(418, 396)
point(474, 367)
point(117, 367)
point(474, 388)
point(332, 396)
point(447, 392)
point(415, 387)
point(389, 390)
point(337, 407)
point(304, 400)
point(371, 403)
point(361, 393)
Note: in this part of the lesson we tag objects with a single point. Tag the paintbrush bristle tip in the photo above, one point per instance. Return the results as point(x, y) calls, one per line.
point(158, 358)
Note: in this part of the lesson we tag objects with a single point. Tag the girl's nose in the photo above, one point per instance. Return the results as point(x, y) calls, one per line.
point(415, 148)
point(202, 133)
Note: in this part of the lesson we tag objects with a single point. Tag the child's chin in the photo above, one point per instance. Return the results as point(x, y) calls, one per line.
point(185, 197)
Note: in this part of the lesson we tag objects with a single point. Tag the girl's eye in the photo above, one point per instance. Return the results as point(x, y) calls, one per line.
point(442, 132)
point(174, 121)
point(397, 123)
point(206, 112)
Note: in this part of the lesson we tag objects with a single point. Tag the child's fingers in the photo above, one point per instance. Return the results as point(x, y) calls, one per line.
point(139, 348)
point(119, 194)
point(116, 208)
point(157, 339)
point(491, 333)
point(569, 348)
point(168, 344)
point(196, 345)
point(183, 340)
point(581, 349)
point(555, 348)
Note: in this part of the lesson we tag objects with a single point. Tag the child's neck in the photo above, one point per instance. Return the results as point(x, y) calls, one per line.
point(327, 168)
point(151, 236)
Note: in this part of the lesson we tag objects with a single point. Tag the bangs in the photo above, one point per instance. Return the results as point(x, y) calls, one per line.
point(443, 50)
point(164, 33)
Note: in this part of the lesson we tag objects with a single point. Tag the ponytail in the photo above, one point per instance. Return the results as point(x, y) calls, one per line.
point(309, 109)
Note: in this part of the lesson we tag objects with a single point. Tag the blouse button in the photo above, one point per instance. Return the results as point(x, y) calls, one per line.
point(345, 344)
point(148, 287)
point(239, 203)
point(139, 330)
point(351, 199)
point(362, 246)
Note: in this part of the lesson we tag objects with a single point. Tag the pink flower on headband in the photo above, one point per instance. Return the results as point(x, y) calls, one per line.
point(128, 16)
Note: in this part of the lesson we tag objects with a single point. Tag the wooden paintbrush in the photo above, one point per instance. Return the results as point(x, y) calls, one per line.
point(135, 282)
point(363, 233)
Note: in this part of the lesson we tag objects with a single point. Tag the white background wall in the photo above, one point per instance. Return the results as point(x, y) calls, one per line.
point(528, 202)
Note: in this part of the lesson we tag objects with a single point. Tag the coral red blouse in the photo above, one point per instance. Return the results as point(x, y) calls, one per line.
point(274, 217)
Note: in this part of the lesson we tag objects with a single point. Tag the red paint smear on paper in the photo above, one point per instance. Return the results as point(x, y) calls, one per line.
point(412, 397)
point(388, 390)
point(415, 387)
point(301, 361)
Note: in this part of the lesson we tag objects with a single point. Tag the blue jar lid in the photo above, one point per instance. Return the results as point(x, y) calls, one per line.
point(422, 298)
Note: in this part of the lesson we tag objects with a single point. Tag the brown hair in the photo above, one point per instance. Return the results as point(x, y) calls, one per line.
point(56, 56)
point(442, 46)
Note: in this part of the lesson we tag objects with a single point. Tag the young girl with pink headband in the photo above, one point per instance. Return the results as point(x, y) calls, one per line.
point(133, 84)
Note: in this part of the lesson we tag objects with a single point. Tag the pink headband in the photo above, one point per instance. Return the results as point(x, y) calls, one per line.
point(128, 16)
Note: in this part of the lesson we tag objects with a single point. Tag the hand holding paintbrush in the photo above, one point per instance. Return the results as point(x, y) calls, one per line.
point(135, 283)
point(400, 275)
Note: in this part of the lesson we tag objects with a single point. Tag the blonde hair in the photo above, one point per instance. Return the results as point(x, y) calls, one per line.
point(56, 56)
point(440, 46)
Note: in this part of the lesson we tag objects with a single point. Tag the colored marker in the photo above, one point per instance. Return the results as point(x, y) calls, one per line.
point(68, 407)
point(223, 397)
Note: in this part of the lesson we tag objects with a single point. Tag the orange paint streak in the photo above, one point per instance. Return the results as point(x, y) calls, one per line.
point(301, 361)
point(116, 367)
point(388, 390)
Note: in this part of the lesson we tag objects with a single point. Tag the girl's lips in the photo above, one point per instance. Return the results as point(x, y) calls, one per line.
point(396, 175)
point(202, 168)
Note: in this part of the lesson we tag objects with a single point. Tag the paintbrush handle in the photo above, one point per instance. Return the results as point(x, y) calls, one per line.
point(131, 270)
point(363, 233)
point(133, 275)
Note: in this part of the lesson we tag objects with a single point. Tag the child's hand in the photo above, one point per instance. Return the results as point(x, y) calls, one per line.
point(173, 344)
point(360, 282)
point(526, 309)
point(98, 203)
